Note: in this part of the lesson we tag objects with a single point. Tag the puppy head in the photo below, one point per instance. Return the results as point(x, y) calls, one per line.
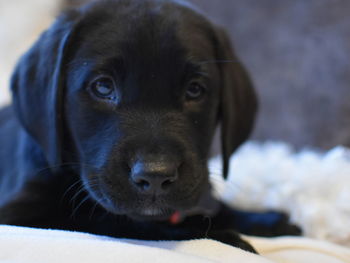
point(133, 91)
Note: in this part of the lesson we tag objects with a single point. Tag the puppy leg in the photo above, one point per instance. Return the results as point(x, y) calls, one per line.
point(268, 224)
point(30, 208)
point(38, 204)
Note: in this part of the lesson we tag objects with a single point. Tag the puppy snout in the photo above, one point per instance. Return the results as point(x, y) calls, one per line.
point(154, 176)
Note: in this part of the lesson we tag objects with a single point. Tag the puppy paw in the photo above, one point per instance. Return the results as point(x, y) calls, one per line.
point(232, 238)
point(272, 224)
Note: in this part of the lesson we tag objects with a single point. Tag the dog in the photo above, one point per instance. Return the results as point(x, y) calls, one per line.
point(114, 110)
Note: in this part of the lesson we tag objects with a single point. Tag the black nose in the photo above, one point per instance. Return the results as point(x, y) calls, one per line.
point(155, 176)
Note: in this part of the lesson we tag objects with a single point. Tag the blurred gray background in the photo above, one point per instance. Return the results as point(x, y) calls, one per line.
point(297, 53)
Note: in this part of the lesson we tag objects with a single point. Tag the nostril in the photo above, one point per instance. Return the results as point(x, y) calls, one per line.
point(143, 184)
point(167, 183)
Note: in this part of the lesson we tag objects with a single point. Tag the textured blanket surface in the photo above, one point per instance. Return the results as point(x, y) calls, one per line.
point(28, 245)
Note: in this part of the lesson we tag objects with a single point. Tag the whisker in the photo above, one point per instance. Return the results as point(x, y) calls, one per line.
point(79, 191)
point(92, 210)
point(209, 226)
point(70, 188)
point(79, 205)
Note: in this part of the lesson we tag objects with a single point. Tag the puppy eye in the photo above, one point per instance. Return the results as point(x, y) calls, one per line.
point(104, 88)
point(195, 91)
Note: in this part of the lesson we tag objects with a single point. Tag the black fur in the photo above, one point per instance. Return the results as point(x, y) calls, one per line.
point(68, 158)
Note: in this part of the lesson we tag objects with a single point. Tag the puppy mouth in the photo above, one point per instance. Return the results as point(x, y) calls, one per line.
point(168, 208)
point(150, 209)
point(155, 209)
point(153, 214)
point(207, 205)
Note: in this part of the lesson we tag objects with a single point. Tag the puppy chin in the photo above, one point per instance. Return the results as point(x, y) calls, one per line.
point(153, 210)
point(204, 204)
point(207, 205)
point(152, 214)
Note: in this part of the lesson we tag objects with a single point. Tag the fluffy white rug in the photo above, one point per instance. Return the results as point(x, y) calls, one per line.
point(313, 187)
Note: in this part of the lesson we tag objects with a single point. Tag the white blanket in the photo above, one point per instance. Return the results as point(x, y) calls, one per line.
point(28, 245)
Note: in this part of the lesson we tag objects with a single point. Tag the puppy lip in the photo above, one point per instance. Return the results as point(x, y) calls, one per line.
point(142, 217)
point(152, 214)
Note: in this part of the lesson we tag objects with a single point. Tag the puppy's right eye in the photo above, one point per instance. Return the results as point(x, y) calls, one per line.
point(195, 91)
point(104, 88)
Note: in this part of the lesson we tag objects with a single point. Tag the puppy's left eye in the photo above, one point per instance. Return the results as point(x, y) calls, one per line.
point(104, 88)
point(195, 91)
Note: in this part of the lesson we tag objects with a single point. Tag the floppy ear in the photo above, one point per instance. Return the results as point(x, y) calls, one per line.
point(37, 87)
point(238, 103)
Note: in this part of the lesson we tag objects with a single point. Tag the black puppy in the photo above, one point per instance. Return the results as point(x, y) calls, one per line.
point(114, 109)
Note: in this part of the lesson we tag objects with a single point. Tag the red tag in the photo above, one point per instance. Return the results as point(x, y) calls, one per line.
point(175, 218)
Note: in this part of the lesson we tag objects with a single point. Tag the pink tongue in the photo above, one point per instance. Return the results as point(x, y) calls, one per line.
point(175, 218)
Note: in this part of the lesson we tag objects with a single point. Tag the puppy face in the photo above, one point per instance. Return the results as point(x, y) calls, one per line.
point(135, 89)
point(142, 105)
